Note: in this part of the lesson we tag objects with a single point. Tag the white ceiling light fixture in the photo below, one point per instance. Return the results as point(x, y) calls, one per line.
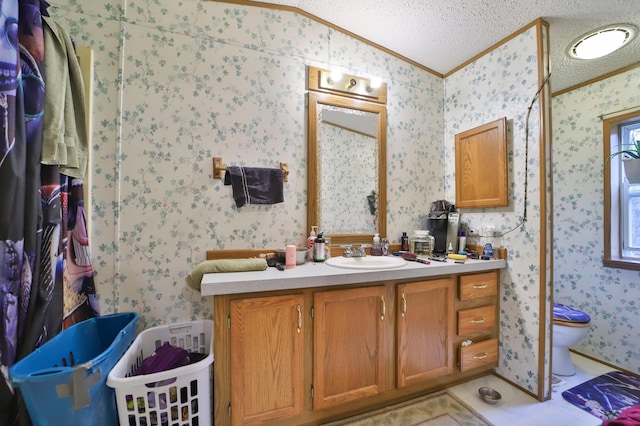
point(603, 41)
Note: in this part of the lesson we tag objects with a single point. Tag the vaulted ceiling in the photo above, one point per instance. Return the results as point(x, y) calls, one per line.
point(443, 34)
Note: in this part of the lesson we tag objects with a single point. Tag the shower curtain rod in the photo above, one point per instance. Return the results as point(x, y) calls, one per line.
point(619, 112)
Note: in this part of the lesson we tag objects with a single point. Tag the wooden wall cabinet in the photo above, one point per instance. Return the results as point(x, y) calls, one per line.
point(481, 166)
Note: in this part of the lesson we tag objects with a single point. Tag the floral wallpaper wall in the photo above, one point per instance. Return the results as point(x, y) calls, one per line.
point(610, 296)
point(178, 82)
point(503, 83)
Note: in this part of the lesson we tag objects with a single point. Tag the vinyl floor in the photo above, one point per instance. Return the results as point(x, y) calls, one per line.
point(520, 409)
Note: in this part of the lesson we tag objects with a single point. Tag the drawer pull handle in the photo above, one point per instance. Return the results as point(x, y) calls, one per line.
point(480, 286)
point(478, 321)
point(480, 356)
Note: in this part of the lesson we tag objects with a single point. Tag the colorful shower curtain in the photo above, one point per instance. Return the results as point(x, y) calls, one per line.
point(44, 257)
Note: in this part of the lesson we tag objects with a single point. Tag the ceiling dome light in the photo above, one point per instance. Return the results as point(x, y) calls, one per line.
point(603, 41)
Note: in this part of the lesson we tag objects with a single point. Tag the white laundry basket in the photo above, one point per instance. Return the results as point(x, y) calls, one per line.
point(177, 397)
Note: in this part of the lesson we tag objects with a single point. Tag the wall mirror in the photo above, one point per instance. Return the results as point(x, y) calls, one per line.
point(347, 128)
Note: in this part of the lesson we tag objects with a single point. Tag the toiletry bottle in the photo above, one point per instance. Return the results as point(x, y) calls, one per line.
point(385, 246)
point(318, 248)
point(310, 240)
point(404, 242)
point(327, 248)
point(376, 250)
point(450, 248)
point(462, 245)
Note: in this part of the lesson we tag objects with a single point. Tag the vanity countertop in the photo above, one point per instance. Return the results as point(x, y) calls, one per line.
point(320, 275)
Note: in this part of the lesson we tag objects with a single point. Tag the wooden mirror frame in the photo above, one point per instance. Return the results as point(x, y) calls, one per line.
point(317, 97)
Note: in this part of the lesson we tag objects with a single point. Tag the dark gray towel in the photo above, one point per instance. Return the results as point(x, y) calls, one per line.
point(255, 185)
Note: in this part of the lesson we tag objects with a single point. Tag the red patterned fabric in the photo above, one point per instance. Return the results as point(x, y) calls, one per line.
point(629, 417)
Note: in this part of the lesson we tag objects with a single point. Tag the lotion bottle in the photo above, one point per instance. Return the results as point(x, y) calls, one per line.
point(310, 241)
point(462, 245)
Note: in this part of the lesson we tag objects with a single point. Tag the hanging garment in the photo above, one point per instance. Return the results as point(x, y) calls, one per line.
point(65, 141)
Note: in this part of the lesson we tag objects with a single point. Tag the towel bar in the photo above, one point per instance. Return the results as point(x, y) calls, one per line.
point(219, 169)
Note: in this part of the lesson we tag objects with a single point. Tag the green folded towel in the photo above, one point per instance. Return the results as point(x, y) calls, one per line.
point(223, 265)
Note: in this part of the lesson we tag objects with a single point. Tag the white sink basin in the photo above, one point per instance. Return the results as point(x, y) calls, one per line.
point(367, 262)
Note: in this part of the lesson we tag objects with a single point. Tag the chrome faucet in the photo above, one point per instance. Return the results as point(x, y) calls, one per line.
point(359, 251)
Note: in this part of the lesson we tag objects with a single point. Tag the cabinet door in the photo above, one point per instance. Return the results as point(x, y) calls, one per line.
point(267, 336)
point(349, 345)
point(425, 331)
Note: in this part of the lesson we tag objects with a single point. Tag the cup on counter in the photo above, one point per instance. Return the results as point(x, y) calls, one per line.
point(290, 256)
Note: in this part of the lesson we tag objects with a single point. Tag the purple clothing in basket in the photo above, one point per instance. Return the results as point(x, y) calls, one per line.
point(166, 357)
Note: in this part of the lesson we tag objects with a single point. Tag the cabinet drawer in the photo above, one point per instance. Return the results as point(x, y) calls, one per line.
point(479, 354)
point(478, 285)
point(477, 319)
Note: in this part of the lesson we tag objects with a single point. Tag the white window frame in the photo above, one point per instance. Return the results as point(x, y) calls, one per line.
point(618, 252)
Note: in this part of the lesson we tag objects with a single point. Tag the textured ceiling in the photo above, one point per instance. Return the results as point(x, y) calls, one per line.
point(443, 34)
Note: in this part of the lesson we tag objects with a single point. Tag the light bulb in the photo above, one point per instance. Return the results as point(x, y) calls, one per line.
point(334, 76)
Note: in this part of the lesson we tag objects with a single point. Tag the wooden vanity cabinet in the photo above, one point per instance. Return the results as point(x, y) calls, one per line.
point(425, 331)
point(267, 360)
point(313, 355)
point(349, 345)
point(477, 320)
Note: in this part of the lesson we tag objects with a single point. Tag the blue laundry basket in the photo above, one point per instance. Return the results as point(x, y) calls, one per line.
point(63, 381)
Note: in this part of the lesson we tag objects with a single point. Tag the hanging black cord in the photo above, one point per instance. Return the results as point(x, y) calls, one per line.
point(526, 155)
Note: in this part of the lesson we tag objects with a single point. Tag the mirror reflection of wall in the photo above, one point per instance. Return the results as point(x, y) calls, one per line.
point(348, 156)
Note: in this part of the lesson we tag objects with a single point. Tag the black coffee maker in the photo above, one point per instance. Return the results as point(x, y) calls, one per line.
point(443, 223)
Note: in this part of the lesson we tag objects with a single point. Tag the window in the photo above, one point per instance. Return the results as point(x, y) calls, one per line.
point(622, 198)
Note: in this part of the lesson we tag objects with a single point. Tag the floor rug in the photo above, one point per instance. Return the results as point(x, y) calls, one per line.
point(442, 409)
point(606, 396)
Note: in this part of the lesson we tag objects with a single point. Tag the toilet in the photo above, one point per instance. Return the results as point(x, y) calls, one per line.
point(569, 326)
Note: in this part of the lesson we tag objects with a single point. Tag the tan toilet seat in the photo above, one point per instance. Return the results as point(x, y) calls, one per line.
point(567, 323)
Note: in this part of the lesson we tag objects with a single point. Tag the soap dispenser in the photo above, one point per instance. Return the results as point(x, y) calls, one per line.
point(376, 249)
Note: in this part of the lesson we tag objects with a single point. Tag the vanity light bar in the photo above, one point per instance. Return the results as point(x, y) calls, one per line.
point(345, 83)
